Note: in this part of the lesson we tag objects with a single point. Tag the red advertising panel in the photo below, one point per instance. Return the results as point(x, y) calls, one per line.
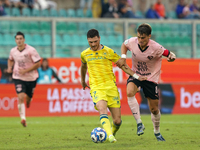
point(181, 70)
point(70, 100)
point(187, 98)
point(56, 100)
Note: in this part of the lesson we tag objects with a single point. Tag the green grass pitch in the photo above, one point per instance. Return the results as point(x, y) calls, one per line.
point(181, 132)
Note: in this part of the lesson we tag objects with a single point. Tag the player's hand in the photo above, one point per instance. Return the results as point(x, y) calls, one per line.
point(171, 57)
point(9, 70)
point(84, 85)
point(121, 62)
point(22, 71)
point(142, 78)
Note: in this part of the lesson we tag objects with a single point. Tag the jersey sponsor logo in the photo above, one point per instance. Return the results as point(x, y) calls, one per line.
point(150, 57)
point(21, 63)
point(142, 66)
point(143, 74)
point(95, 58)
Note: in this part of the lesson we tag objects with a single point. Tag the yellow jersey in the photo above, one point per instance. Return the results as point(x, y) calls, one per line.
point(100, 67)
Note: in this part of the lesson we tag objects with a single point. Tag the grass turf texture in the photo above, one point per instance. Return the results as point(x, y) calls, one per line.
point(71, 133)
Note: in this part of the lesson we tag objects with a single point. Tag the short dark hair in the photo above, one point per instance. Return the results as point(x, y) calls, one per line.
point(20, 33)
point(144, 29)
point(92, 33)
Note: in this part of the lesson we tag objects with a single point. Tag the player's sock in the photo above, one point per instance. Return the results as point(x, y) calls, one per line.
point(21, 108)
point(115, 127)
point(156, 122)
point(106, 124)
point(135, 109)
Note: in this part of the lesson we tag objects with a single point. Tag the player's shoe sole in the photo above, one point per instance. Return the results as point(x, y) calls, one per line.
point(112, 139)
point(23, 122)
point(159, 137)
point(140, 129)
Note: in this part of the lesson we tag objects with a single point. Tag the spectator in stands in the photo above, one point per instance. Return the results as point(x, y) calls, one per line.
point(28, 3)
point(17, 4)
point(189, 14)
point(151, 13)
point(110, 9)
point(194, 8)
point(45, 4)
point(126, 10)
point(46, 73)
point(179, 9)
point(6, 3)
point(84, 2)
point(2, 10)
point(160, 8)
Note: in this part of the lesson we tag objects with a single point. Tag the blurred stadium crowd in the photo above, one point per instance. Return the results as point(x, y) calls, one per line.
point(155, 9)
point(176, 36)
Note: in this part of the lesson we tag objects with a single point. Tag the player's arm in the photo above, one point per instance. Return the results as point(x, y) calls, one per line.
point(130, 72)
point(170, 55)
point(122, 61)
point(10, 65)
point(83, 74)
point(33, 67)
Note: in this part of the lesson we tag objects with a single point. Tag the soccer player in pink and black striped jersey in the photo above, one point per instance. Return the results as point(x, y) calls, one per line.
point(146, 61)
point(25, 60)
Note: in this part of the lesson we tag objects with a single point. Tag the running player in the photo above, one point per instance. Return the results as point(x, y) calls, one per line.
point(25, 60)
point(146, 61)
point(98, 59)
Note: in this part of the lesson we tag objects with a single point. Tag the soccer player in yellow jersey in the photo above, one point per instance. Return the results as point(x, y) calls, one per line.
point(98, 60)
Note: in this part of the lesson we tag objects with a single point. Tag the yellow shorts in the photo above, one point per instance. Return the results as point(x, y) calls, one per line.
point(110, 95)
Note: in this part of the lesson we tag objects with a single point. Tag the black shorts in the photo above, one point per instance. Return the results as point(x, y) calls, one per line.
point(25, 87)
point(150, 89)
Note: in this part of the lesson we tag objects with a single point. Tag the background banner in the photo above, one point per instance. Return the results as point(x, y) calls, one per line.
point(68, 70)
point(70, 100)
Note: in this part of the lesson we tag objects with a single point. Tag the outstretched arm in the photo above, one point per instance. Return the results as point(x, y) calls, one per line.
point(130, 72)
point(83, 74)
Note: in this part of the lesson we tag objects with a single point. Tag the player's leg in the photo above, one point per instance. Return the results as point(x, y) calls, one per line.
point(20, 90)
point(116, 117)
point(30, 86)
point(21, 108)
point(151, 93)
point(103, 112)
point(155, 117)
point(132, 89)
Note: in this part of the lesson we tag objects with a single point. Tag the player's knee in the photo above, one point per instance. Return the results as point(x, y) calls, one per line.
point(154, 111)
point(102, 110)
point(20, 99)
point(130, 93)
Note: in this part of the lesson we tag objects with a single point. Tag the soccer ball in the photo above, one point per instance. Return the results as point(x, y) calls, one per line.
point(98, 135)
